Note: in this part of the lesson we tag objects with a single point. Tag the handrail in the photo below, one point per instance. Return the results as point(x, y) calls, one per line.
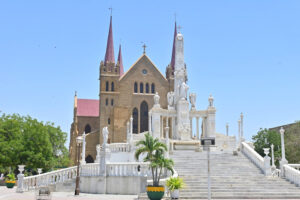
point(257, 159)
point(292, 174)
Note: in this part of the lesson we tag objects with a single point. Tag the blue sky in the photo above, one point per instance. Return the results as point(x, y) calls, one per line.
point(245, 53)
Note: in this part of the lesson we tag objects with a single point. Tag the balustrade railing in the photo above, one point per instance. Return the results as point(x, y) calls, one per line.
point(91, 169)
point(291, 173)
point(257, 159)
point(119, 147)
point(58, 176)
point(128, 169)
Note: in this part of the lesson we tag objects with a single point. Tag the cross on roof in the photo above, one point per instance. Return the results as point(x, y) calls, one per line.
point(110, 8)
point(144, 47)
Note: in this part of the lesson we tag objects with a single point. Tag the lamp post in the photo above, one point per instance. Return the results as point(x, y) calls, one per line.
point(78, 141)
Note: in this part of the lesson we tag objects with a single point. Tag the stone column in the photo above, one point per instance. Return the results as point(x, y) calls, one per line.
point(98, 153)
point(131, 125)
point(174, 135)
point(267, 166)
point(191, 126)
point(167, 137)
point(227, 129)
point(20, 176)
point(273, 162)
point(242, 127)
point(204, 120)
point(211, 118)
point(150, 124)
point(283, 159)
point(198, 136)
point(128, 131)
point(162, 127)
point(156, 122)
point(239, 131)
point(83, 149)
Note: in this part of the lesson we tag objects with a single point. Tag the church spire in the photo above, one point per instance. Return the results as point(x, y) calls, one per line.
point(109, 54)
point(120, 61)
point(173, 50)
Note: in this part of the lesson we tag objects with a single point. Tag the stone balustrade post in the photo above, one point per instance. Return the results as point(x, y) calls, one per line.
point(83, 149)
point(98, 153)
point(267, 159)
point(239, 134)
point(197, 127)
point(227, 129)
point(242, 127)
point(20, 184)
point(128, 131)
point(283, 159)
point(150, 123)
point(273, 162)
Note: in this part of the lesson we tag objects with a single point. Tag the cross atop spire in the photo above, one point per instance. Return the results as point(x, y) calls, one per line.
point(120, 61)
point(109, 55)
point(173, 50)
point(111, 9)
point(144, 47)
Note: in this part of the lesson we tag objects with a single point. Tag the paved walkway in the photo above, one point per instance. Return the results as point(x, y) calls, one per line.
point(10, 194)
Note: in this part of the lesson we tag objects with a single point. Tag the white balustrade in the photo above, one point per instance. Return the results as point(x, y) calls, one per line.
point(292, 174)
point(91, 169)
point(257, 159)
point(128, 169)
point(119, 147)
point(58, 176)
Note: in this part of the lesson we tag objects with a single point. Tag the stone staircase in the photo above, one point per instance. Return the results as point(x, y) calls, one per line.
point(232, 177)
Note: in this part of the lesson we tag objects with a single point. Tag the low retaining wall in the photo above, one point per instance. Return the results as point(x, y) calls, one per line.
point(127, 185)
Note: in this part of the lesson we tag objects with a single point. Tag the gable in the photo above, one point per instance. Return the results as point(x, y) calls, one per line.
point(142, 63)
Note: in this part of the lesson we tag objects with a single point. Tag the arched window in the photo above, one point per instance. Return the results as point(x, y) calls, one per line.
point(106, 86)
point(106, 102)
point(135, 123)
point(141, 88)
point(112, 86)
point(135, 87)
point(87, 129)
point(144, 117)
point(89, 159)
point(152, 88)
point(147, 87)
point(112, 102)
point(108, 121)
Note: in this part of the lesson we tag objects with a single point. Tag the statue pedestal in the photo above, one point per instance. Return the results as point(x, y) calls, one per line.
point(183, 120)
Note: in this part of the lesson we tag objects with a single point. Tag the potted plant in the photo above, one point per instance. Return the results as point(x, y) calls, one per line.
point(10, 180)
point(174, 184)
point(154, 151)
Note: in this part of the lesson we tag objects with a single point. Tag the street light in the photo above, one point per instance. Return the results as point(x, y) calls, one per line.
point(206, 143)
point(79, 140)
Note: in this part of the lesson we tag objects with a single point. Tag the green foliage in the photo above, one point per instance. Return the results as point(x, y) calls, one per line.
point(10, 177)
point(24, 140)
point(154, 151)
point(292, 143)
point(263, 139)
point(175, 183)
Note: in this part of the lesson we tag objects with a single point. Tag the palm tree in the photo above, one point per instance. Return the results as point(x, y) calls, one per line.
point(155, 155)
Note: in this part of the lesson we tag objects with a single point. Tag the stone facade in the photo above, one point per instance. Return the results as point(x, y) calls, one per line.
point(120, 96)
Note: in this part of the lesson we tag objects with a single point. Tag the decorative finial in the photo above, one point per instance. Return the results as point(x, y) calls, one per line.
point(144, 47)
point(75, 93)
point(110, 8)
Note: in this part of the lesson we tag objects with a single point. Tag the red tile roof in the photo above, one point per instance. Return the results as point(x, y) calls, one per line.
point(88, 107)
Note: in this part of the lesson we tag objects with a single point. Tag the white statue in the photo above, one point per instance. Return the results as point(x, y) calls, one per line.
point(156, 100)
point(193, 100)
point(211, 101)
point(105, 136)
point(170, 97)
point(183, 90)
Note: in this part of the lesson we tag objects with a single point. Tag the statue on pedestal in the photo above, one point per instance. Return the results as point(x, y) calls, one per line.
point(170, 97)
point(193, 100)
point(156, 100)
point(183, 89)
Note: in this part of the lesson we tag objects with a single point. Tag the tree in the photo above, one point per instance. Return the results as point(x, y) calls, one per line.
point(24, 140)
point(292, 143)
point(263, 139)
point(154, 151)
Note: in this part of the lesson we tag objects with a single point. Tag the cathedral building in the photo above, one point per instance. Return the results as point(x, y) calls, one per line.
point(121, 95)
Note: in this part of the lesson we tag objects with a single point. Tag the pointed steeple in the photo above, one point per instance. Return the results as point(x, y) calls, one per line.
point(173, 50)
point(109, 54)
point(120, 61)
